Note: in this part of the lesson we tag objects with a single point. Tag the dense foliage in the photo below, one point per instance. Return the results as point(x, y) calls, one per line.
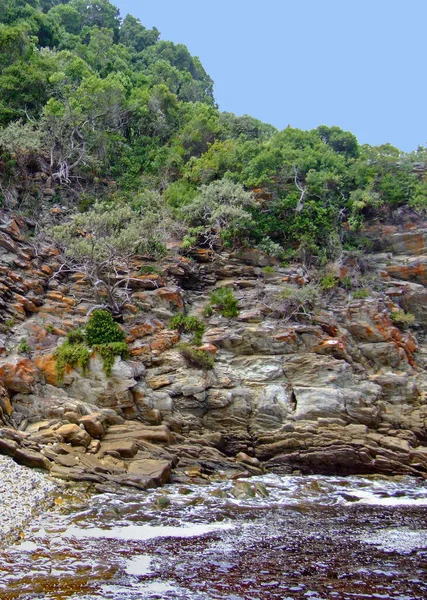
point(102, 335)
point(99, 115)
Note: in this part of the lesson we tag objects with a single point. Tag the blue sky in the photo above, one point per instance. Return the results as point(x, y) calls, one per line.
point(357, 64)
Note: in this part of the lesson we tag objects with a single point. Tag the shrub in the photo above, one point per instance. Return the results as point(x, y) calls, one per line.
point(207, 311)
point(74, 355)
point(224, 301)
point(149, 270)
point(293, 301)
point(102, 329)
point(222, 212)
point(361, 294)
point(268, 270)
point(50, 328)
point(271, 248)
point(102, 335)
point(328, 282)
point(196, 358)
point(402, 319)
point(76, 336)
point(186, 324)
point(24, 347)
point(108, 353)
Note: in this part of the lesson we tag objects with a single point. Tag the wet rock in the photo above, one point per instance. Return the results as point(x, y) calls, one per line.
point(250, 460)
point(242, 490)
point(162, 502)
point(153, 472)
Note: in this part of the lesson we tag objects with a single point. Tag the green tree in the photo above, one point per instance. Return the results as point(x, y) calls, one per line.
point(220, 213)
point(135, 36)
point(102, 242)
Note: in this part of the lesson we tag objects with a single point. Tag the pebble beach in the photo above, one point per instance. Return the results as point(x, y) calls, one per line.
point(24, 493)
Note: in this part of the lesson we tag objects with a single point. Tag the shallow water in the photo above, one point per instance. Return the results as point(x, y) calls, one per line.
point(311, 538)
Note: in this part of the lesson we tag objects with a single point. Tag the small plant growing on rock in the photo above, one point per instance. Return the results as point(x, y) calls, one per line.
point(50, 328)
point(24, 347)
point(345, 282)
point(76, 336)
point(361, 294)
point(73, 355)
point(224, 301)
point(149, 270)
point(102, 335)
point(402, 319)
point(295, 301)
point(207, 311)
point(186, 324)
point(103, 329)
point(9, 324)
point(268, 270)
point(194, 357)
point(108, 353)
point(328, 282)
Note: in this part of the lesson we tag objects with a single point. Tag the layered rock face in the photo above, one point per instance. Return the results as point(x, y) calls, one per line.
point(337, 390)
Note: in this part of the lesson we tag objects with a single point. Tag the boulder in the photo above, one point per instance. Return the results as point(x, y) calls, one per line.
point(74, 435)
point(93, 425)
point(154, 472)
point(18, 374)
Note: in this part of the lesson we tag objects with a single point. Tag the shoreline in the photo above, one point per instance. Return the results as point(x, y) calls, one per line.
point(24, 493)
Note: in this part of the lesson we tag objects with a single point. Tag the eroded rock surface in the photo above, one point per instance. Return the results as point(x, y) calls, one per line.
point(340, 391)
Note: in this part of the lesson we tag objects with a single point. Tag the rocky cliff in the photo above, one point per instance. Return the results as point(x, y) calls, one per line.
point(339, 388)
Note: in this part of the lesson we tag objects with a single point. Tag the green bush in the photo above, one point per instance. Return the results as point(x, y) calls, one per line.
point(186, 324)
point(402, 319)
point(76, 336)
point(102, 335)
point(149, 270)
point(24, 347)
point(268, 270)
point(108, 353)
point(328, 282)
point(102, 329)
point(224, 301)
point(361, 294)
point(74, 355)
point(194, 357)
point(50, 328)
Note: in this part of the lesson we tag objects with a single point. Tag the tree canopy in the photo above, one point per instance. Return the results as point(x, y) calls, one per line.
point(101, 110)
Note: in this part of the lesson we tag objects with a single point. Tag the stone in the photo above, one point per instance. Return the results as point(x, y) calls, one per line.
point(29, 458)
point(47, 365)
point(314, 402)
point(8, 447)
point(93, 425)
point(250, 460)
point(18, 374)
point(126, 448)
point(242, 490)
point(74, 435)
point(133, 430)
point(156, 472)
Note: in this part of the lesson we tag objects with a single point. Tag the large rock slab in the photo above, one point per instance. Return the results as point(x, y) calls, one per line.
point(154, 472)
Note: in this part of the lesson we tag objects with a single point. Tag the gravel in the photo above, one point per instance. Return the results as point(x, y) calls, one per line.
point(24, 492)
